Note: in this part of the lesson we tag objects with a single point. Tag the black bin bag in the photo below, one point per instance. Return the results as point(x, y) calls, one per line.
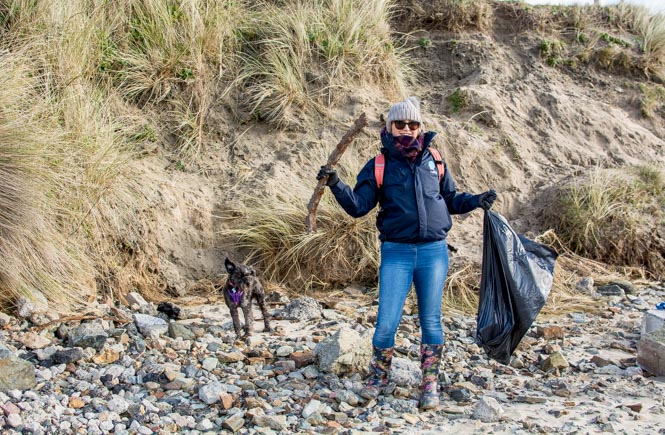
point(516, 279)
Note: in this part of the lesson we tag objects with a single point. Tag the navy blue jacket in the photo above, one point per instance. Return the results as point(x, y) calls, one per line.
point(414, 206)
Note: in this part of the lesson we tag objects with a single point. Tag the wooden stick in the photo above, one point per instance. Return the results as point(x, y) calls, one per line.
point(122, 320)
point(310, 220)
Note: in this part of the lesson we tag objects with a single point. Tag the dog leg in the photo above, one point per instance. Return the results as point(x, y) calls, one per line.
point(249, 317)
point(260, 299)
point(236, 320)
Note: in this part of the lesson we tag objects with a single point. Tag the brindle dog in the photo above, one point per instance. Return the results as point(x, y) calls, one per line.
point(240, 288)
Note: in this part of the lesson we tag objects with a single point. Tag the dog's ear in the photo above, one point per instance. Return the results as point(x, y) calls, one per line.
point(230, 266)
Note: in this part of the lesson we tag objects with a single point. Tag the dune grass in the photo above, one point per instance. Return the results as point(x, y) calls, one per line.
point(177, 53)
point(37, 256)
point(304, 57)
point(614, 216)
point(622, 38)
point(447, 15)
point(650, 28)
point(66, 145)
point(652, 101)
point(459, 15)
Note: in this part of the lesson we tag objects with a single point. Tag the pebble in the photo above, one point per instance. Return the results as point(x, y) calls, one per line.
point(14, 420)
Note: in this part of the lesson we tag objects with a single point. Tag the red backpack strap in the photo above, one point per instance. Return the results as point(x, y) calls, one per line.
point(439, 162)
point(379, 167)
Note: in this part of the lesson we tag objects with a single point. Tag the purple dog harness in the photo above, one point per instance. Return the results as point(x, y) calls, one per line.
point(234, 294)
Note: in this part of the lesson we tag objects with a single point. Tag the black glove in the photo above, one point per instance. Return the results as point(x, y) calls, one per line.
point(330, 173)
point(486, 199)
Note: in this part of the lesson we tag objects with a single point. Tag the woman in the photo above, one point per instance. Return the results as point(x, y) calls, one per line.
point(413, 222)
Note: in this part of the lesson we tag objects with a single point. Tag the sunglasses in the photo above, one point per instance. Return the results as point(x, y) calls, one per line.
point(413, 125)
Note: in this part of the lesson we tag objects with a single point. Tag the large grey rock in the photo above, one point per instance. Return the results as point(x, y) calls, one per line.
point(311, 408)
point(179, 330)
point(66, 356)
point(611, 290)
point(488, 410)
point(235, 422)
point(33, 340)
point(34, 304)
point(406, 373)
point(117, 404)
point(211, 393)
point(88, 335)
point(5, 319)
point(555, 361)
point(275, 422)
point(653, 320)
point(627, 286)
point(169, 271)
point(303, 309)
point(15, 373)
point(651, 352)
point(150, 326)
point(135, 300)
point(14, 420)
point(345, 351)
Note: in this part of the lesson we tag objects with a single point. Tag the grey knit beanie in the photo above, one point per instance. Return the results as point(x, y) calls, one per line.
point(407, 109)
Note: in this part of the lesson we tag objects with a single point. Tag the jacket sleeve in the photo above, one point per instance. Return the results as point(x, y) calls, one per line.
point(364, 196)
point(457, 203)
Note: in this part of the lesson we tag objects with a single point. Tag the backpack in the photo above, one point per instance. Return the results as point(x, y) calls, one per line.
point(380, 166)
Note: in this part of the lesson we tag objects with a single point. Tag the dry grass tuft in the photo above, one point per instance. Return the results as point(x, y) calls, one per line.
point(525, 17)
point(66, 142)
point(571, 268)
point(461, 290)
point(652, 101)
point(303, 57)
point(342, 251)
point(649, 28)
point(614, 216)
point(37, 257)
point(175, 53)
point(459, 15)
point(448, 15)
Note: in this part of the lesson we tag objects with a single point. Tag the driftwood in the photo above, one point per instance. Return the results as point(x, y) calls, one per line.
point(119, 319)
point(310, 220)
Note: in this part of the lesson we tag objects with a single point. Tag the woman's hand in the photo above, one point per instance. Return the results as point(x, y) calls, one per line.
point(330, 173)
point(486, 199)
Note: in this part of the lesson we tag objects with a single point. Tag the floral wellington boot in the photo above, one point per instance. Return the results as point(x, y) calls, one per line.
point(380, 369)
point(430, 360)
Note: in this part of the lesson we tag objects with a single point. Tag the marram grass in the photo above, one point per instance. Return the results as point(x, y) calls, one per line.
point(613, 216)
point(37, 256)
point(304, 57)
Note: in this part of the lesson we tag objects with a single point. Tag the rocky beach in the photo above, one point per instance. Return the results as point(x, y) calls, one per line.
point(178, 368)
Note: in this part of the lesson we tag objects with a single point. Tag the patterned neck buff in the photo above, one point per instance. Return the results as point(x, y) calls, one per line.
point(409, 146)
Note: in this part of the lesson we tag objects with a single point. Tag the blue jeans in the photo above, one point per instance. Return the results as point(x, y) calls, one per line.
point(426, 266)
